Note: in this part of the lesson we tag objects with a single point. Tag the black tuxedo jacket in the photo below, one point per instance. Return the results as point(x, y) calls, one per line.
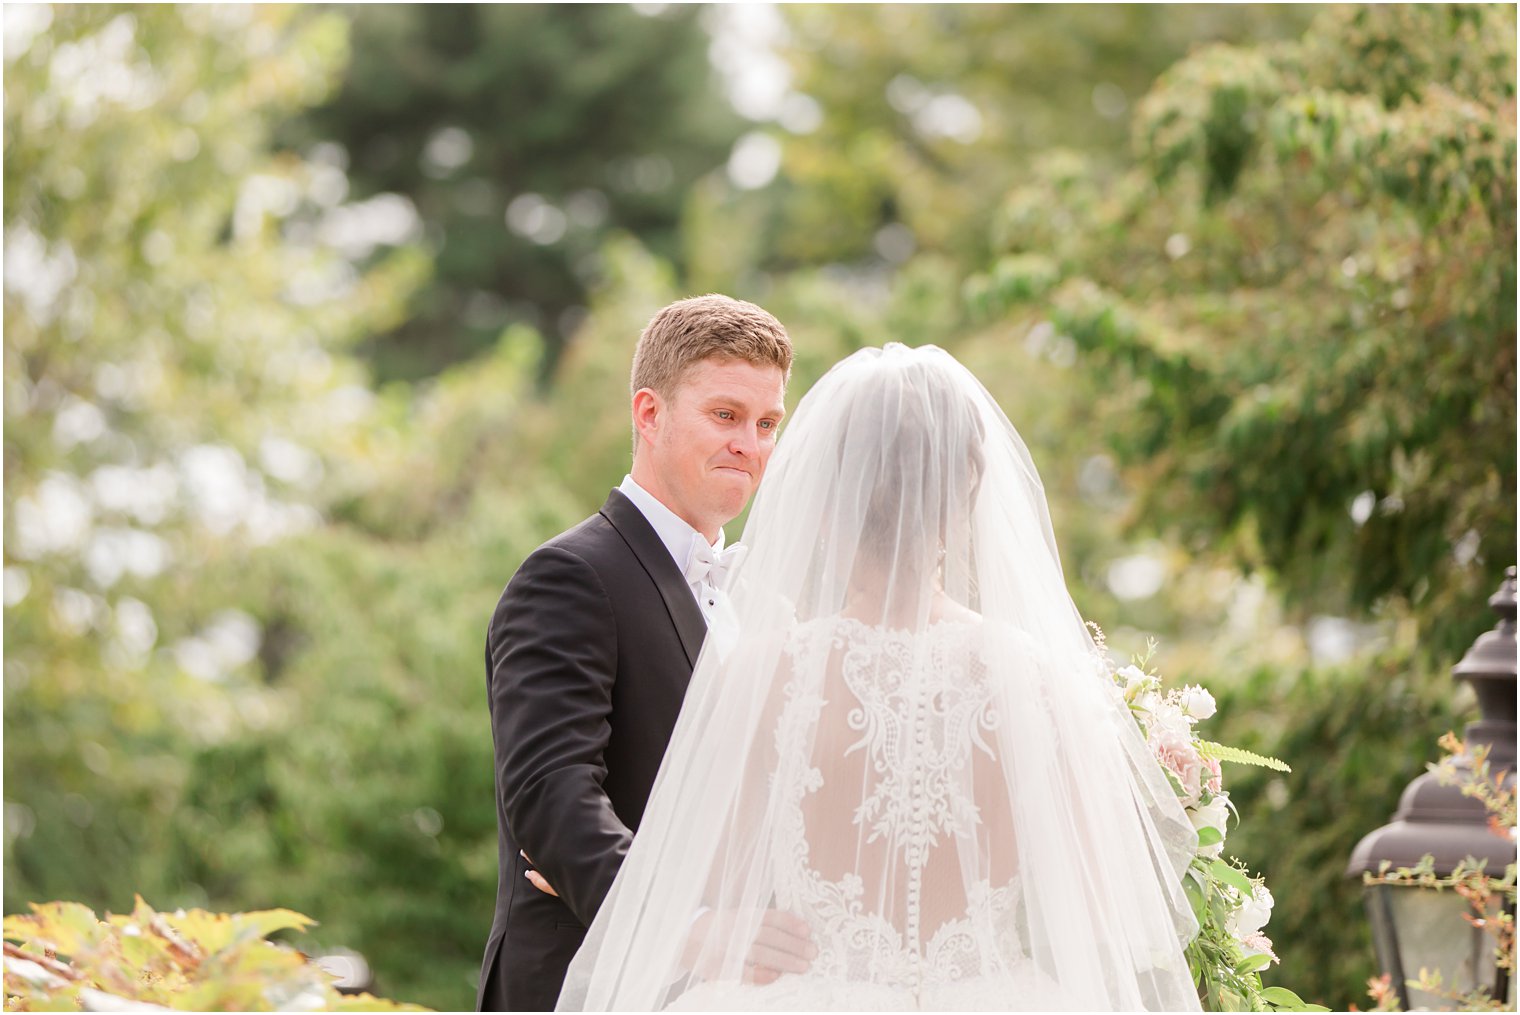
point(587, 660)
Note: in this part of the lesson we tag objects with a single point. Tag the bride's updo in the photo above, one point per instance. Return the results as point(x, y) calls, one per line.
point(910, 461)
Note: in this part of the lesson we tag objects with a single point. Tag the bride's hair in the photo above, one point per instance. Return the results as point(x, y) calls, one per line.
point(922, 465)
point(907, 462)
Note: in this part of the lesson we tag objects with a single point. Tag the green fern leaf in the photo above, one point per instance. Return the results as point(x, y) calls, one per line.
point(1220, 752)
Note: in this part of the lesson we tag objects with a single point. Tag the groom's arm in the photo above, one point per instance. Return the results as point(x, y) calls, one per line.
point(552, 656)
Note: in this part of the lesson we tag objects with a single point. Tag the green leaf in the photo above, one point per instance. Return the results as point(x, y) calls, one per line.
point(367, 1002)
point(67, 927)
point(1252, 963)
point(1208, 835)
point(267, 921)
point(1232, 877)
point(140, 950)
point(1195, 899)
point(1240, 756)
point(1282, 997)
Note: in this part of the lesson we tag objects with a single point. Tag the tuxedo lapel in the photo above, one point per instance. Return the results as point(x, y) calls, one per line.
point(645, 543)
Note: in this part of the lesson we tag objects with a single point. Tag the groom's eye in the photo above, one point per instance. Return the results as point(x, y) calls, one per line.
point(767, 424)
point(725, 414)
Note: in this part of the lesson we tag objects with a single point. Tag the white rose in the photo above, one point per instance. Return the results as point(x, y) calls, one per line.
point(1133, 676)
point(1213, 814)
point(1167, 717)
point(1253, 914)
point(1197, 702)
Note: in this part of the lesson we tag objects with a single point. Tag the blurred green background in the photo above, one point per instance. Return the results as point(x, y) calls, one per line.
point(318, 320)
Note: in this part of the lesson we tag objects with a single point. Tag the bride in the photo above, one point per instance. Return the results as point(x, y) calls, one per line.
point(901, 743)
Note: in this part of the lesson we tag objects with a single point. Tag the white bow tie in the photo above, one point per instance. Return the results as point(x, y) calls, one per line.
point(702, 561)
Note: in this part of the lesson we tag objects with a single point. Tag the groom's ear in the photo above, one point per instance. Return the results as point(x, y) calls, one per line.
point(648, 407)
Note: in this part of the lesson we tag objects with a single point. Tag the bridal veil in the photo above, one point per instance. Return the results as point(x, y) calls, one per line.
point(905, 736)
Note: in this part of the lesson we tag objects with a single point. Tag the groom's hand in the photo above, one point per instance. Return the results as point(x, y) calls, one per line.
point(536, 879)
point(783, 944)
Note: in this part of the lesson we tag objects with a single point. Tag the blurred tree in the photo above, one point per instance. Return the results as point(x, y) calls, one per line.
point(908, 120)
point(366, 796)
point(174, 381)
point(1298, 308)
point(522, 133)
point(1309, 276)
point(880, 209)
point(304, 724)
point(1355, 735)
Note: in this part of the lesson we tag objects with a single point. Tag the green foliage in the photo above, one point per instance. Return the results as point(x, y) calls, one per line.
point(1229, 951)
point(525, 135)
point(67, 960)
point(176, 390)
point(169, 366)
point(1224, 752)
point(1308, 282)
point(275, 698)
point(362, 798)
point(1227, 977)
point(367, 793)
point(1358, 736)
point(928, 109)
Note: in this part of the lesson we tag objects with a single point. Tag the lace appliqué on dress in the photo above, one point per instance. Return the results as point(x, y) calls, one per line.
point(922, 703)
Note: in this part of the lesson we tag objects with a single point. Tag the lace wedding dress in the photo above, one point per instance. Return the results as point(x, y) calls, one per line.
point(919, 709)
point(906, 739)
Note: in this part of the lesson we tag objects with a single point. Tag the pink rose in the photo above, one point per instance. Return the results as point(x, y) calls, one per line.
point(1176, 752)
point(1216, 775)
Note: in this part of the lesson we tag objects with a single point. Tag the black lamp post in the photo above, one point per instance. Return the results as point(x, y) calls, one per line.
point(1414, 928)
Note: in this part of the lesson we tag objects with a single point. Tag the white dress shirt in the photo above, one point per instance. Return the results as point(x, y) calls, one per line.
point(677, 536)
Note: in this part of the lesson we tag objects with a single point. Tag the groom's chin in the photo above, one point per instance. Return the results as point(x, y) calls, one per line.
point(731, 502)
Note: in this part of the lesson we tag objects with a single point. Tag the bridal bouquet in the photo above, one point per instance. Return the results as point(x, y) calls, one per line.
point(1232, 907)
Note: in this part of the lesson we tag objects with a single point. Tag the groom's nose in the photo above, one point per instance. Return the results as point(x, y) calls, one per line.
point(744, 444)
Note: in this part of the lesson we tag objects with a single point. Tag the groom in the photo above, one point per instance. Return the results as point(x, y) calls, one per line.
point(593, 642)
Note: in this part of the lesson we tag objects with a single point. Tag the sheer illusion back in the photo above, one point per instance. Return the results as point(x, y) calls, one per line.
point(895, 780)
point(907, 741)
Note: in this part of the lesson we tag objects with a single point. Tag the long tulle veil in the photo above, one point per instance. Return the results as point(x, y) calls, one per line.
point(906, 738)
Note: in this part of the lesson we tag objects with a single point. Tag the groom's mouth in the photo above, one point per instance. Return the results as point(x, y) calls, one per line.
point(732, 468)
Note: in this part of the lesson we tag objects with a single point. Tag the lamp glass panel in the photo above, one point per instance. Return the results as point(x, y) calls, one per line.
point(1433, 935)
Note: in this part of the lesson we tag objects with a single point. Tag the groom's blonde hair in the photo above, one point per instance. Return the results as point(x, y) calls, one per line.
point(705, 327)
